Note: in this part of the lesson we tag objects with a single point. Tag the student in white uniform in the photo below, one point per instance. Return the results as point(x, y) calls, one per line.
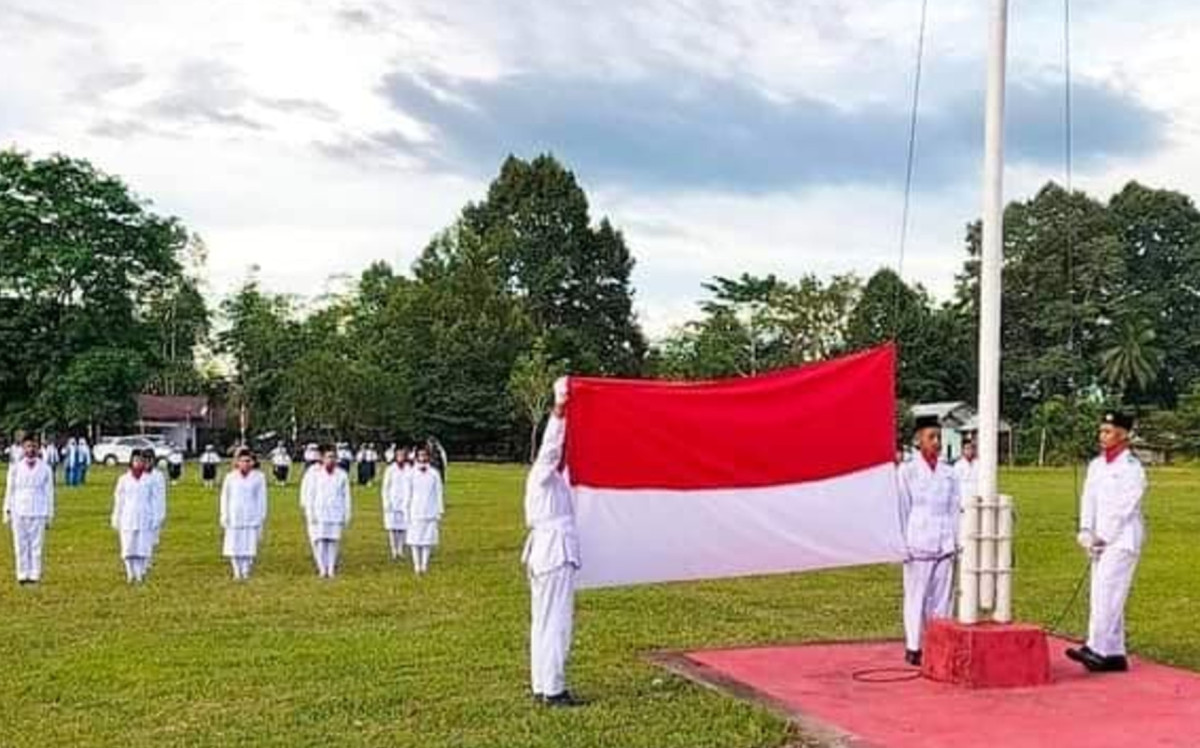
point(175, 466)
point(1111, 530)
point(208, 466)
point(423, 510)
point(243, 513)
point(930, 500)
point(966, 470)
point(159, 483)
point(84, 459)
point(325, 498)
point(281, 463)
point(551, 559)
point(397, 482)
point(29, 510)
point(51, 457)
point(69, 455)
point(312, 455)
point(134, 517)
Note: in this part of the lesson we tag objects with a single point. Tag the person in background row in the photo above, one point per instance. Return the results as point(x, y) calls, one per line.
point(243, 513)
point(551, 558)
point(83, 457)
point(364, 468)
point(397, 483)
point(372, 460)
point(281, 462)
point(966, 470)
point(70, 474)
point(389, 454)
point(1112, 531)
point(929, 511)
point(159, 482)
point(325, 499)
point(50, 456)
point(16, 452)
point(134, 517)
point(209, 461)
point(312, 455)
point(423, 511)
point(29, 510)
point(345, 457)
point(175, 465)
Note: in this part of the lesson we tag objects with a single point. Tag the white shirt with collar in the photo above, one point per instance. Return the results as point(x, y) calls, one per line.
point(1111, 504)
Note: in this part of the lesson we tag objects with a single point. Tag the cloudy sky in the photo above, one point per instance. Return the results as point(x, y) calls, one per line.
point(311, 137)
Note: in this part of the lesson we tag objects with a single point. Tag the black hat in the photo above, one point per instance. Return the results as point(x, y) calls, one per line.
point(926, 422)
point(1119, 419)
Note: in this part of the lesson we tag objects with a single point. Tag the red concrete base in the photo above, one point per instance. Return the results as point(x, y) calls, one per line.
point(858, 695)
point(985, 655)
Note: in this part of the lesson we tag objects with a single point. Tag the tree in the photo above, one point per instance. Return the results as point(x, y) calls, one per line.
point(81, 260)
point(1132, 359)
point(530, 385)
point(573, 279)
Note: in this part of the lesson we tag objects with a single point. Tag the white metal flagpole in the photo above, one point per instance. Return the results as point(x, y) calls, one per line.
point(989, 299)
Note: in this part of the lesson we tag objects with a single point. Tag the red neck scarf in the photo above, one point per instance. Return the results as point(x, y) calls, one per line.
point(1112, 453)
point(931, 460)
point(329, 469)
point(137, 472)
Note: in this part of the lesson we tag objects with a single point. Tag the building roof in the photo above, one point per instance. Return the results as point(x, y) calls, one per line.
point(181, 408)
point(956, 415)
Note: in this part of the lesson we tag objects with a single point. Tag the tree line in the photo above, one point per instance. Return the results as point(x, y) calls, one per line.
point(101, 298)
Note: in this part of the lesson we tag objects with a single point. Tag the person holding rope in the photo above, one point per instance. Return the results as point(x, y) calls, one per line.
point(929, 510)
point(1111, 530)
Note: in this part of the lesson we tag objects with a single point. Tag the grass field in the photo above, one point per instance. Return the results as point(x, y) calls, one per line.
point(380, 658)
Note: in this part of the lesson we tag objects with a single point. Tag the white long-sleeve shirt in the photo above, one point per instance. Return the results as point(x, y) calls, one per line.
point(134, 503)
point(930, 500)
point(243, 500)
point(423, 502)
point(29, 491)
point(550, 506)
point(325, 496)
point(1111, 504)
point(967, 473)
point(158, 482)
point(396, 486)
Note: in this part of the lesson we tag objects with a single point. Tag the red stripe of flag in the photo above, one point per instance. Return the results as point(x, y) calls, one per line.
point(791, 426)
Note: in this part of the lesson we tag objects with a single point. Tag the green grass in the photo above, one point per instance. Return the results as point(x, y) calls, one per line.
point(380, 658)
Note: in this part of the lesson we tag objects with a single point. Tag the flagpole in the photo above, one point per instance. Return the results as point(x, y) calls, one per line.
point(991, 257)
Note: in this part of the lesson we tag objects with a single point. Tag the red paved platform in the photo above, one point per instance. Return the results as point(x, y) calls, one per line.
point(1150, 706)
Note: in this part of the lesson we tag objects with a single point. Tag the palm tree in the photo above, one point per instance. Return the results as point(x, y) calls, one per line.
point(1132, 359)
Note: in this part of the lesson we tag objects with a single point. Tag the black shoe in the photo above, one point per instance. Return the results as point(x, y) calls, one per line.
point(1115, 664)
point(1088, 658)
point(913, 657)
point(564, 699)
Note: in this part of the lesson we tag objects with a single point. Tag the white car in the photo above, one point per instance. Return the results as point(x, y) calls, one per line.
point(117, 450)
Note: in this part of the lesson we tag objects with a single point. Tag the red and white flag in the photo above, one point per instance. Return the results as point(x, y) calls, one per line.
point(789, 471)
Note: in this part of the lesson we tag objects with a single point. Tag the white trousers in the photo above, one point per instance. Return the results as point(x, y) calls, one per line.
point(552, 605)
point(396, 541)
point(420, 555)
point(926, 595)
point(325, 553)
point(29, 535)
point(1112, 575)
point(241, 566)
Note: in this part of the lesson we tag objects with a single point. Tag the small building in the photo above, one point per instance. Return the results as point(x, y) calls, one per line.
point(958, 419)
point(177, 418)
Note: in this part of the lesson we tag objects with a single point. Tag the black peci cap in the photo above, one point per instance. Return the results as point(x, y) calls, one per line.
point(1119, 419)
point(926, 422)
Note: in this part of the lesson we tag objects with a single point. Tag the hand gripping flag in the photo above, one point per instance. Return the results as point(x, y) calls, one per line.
point(789, 471)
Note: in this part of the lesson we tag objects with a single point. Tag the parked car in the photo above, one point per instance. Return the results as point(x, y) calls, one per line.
point(117, 450)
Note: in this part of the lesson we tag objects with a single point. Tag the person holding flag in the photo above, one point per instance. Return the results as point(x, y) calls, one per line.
point(551, 558)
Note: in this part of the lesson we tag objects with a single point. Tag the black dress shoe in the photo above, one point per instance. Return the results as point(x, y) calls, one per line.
point(913, 657)
point(1115, 664)
point(1088, 658)
point(564, 699)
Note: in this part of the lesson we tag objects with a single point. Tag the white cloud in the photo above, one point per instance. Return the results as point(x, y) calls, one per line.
point(216, 109)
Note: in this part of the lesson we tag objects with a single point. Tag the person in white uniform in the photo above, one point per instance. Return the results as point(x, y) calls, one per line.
point(50, 456)
point(134, 517)
point(325, 498)
point(29, 510)
point(397, 482)
point(175, 465)
point(159, 482)
point(243, 513)
point(209, 461)
point(83, 454)
point(930, 501)
point(966, 470)
point(551, 558)
point(423, 509)
point(281, 462)
point(1111, 531)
